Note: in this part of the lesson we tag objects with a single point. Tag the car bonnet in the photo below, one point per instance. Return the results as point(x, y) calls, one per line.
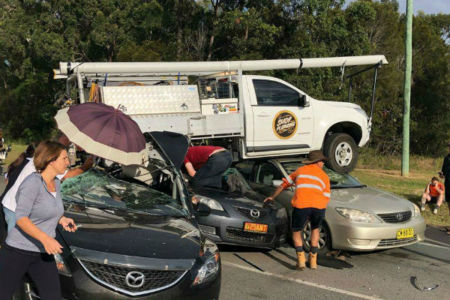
point(173, 145)
point(368, 199)
point(133, 234)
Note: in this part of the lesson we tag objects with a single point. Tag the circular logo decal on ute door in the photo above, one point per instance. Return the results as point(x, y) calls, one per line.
point(285, 124)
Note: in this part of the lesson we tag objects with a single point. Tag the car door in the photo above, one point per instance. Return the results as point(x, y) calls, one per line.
point(282, 116)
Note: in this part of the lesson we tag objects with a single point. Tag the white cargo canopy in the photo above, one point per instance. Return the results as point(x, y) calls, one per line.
point(186, 68)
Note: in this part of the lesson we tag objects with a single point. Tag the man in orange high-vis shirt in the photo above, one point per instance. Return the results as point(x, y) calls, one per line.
point(312, 194)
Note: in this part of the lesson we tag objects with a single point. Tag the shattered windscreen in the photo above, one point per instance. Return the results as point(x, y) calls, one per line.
point(98, 189)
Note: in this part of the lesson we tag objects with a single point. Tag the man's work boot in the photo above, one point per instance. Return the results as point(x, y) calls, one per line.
point(301, 260)
point(313, 260)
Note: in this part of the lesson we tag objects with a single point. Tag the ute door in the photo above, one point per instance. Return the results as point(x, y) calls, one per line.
point(282, 116)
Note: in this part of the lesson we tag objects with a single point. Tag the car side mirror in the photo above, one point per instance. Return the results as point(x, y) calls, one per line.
point(277, 183)
point(302, 102)
point(203, 210)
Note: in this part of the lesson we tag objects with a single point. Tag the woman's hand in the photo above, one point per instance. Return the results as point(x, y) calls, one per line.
point(51, 245)
point(68, 224)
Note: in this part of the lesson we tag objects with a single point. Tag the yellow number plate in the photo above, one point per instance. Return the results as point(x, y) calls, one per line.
point(255, 227)
point(405, 233)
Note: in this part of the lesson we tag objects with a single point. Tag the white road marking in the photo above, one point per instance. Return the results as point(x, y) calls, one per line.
point(438, 242)
point(296, 280)
point(433, 245)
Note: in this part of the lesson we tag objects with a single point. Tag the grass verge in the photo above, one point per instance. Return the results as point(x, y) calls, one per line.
point(16, 149)
point(384, 172)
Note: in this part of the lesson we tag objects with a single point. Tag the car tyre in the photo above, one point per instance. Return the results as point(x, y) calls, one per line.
point(342, 152)
point(324, 238)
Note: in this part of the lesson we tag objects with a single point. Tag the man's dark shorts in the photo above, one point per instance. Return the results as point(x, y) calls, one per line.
point(301, 215)
point(433, 200)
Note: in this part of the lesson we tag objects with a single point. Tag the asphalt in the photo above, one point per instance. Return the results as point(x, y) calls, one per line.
point(252, 274)
point(255, 274)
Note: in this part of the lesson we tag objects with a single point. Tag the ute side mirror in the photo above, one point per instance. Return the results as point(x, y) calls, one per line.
point(302, 102)
point(203, 210)
point(277, 183)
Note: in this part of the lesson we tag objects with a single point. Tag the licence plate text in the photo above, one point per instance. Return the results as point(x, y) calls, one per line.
point(255, 227)
point(405, 233)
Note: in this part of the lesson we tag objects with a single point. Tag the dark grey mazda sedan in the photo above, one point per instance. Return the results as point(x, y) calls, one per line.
point(236, 215)
point(137, 237)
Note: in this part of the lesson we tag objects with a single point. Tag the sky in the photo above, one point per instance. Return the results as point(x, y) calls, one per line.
point(427, 6)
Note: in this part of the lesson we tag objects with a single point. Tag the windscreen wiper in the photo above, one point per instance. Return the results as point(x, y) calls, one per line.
point(348, 187)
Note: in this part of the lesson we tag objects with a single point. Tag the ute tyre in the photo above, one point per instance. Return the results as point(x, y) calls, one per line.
point(342, 152)
point(324, 238)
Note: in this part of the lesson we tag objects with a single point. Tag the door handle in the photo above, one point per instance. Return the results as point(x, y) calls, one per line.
point(263, 115)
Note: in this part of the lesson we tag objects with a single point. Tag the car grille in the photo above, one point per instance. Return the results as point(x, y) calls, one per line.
point(239, 234)
point(396, 242)
point(396, 217)
point(247, 212)
point(114, 277)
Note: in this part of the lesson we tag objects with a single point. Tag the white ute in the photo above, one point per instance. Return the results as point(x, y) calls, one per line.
point(254, 116)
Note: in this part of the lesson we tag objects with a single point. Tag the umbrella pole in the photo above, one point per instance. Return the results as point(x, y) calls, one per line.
point(80, 87)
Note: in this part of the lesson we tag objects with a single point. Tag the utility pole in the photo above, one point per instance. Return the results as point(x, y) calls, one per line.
point(407, 88)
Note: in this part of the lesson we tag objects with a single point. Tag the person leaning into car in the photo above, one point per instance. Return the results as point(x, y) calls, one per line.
point(312, 194)
point(206, 165)
point(30, 245)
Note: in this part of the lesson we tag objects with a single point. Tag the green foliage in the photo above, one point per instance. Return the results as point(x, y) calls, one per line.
point(36, 35)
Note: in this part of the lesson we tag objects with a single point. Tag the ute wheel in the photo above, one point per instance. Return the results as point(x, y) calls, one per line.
point(342, 152)
point(324, 238)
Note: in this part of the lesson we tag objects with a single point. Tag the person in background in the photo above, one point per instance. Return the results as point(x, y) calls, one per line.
point(11, 175)
point(206, 164)
point(9, 196)
point(312, 194)
point(30, 245)
point(434, 192)
point(18, 164)
point(445, 173)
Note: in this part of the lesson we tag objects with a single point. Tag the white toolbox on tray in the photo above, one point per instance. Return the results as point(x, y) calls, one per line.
point(156, 99)
point(212, 106)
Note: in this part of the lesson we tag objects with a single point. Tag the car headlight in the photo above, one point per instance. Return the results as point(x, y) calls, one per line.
point(416, 211)
point(281, 213)
point(356, 215)
point(61, 266)
point(211, 263)
point(211, 203)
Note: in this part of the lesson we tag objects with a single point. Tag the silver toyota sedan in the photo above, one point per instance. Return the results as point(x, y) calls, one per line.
point(358, 217)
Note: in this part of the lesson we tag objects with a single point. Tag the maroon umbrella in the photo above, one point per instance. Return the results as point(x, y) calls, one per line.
point(104, 131)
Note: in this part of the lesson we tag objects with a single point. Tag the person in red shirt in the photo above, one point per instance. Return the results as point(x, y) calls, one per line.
point(434, 192)
point(206, 164)
point(312, 194)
